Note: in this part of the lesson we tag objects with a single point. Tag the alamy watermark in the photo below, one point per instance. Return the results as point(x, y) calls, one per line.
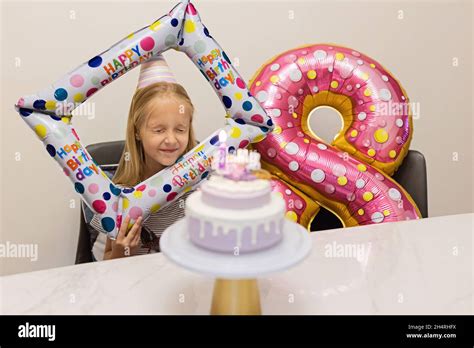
point(359, 251)
point(80, 109)
point(37, 331)
point(16, 250)
point(398, 109)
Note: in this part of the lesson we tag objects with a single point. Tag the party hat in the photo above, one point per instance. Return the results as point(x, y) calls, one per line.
point(155, 70)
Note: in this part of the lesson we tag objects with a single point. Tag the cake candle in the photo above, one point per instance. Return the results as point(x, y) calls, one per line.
point(222, 149)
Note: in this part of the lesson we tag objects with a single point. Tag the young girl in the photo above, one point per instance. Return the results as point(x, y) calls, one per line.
point(159, 131)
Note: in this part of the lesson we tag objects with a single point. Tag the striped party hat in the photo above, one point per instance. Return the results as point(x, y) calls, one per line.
point(155, 70)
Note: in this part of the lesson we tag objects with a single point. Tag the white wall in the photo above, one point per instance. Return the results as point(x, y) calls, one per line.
point(418, 49)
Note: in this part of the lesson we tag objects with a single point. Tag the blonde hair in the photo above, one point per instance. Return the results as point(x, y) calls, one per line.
point(130, 170)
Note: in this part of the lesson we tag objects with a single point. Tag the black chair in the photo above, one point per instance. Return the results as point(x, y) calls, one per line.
point(411, 175)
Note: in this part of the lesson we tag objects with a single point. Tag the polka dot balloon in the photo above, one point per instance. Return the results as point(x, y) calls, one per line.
point(48, 113)
point(350, 176)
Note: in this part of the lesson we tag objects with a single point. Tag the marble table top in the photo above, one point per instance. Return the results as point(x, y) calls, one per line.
point(409, 267)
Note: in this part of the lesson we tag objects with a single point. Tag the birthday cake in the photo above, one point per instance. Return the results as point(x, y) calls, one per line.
point(235, 210)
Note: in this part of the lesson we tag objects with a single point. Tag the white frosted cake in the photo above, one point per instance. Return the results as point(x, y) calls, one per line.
point(235, 212)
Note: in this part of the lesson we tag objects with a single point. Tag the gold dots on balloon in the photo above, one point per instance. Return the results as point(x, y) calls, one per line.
point(361, 167)
point(342, 180)
point(339, 56)
point(311, 74)
point(368, 196)
point(381, 135)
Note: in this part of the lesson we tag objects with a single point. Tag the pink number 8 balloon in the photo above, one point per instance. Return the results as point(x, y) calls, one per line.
point(48, 113)
point(350, 177)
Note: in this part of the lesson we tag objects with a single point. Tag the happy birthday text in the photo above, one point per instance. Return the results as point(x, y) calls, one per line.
point(215, 73)
point(78, 159)
point(193, 167)
point(125, 61)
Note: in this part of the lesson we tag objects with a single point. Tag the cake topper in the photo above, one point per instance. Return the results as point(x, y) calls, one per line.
point(236, 165)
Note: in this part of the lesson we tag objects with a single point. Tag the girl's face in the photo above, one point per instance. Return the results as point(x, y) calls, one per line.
point(165, 133)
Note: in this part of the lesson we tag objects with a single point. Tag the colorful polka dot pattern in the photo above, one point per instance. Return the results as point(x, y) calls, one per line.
point(380, 125)
point(299, 207)
point(248, 121)
point(335, 178)
point(217, 68)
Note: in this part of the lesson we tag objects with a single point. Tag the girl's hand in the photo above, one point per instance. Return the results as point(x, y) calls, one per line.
point(127, 243)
